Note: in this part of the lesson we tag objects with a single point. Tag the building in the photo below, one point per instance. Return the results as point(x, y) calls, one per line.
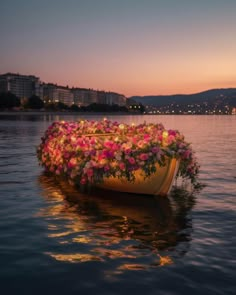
point(84, 97)
point(22, 86)
point(116, 98)
point(112, 98)
point(53, 93)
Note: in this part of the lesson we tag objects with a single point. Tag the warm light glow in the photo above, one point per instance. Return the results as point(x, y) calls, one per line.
point(73, 138)
point(121, 126)
point(165, 260)
point(165, 134)
point(74, 258)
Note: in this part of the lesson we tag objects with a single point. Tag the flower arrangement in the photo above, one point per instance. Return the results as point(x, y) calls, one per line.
point(85, 152)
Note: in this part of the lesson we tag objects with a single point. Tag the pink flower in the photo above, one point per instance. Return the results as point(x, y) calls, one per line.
point(66, 155)
point(155, 150)
point(106, 168)
point(90, 172)
point(108, 144)
point(146, 136)
point(172, 132)
point(187, 154)
point(131, 160)
point(72, 163)
point(143, 157)
point(51, 169)
point(58, 172)
point(83, 180)
point(171, 139)
point(140, 144)
point(122, 166)
point(127, 151)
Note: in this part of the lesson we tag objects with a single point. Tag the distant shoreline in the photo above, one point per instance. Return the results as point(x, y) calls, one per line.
point(104, 114)
point(41, 113)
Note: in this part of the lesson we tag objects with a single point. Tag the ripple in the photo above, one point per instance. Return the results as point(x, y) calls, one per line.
point(74, 258)
point(110, 243)
point(11, 182)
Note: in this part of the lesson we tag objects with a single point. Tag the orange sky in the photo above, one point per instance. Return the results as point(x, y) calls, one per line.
point(132, 47)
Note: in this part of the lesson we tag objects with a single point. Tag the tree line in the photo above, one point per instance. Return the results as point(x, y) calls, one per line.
point(10, 101)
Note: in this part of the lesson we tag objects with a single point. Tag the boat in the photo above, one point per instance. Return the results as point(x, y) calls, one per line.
point(143, 159)
point(159, 183)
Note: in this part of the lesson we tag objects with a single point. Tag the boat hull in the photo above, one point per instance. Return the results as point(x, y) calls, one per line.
point(159, 183)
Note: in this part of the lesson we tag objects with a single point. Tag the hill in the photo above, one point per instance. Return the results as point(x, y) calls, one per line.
point(213, 96)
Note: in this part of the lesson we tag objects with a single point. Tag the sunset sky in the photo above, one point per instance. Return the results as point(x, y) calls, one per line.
point(134, 47)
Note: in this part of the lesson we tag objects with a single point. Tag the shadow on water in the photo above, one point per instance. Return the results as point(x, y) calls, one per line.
point(135, 231)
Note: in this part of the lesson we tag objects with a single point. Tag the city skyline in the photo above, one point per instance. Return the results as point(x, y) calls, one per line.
point(129, 47)
point(26, 86)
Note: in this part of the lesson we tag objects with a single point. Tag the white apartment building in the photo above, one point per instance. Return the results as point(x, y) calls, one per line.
point(114, 98)
point(84, 97)
point(22, 86)
point(53, 93)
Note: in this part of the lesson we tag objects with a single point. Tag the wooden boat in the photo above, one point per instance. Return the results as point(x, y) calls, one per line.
point(63, 143)
point(159, 183)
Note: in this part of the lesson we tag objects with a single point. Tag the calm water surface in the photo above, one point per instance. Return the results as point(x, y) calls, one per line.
point(55, 240)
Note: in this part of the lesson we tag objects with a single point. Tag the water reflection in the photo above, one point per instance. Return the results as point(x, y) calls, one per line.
point(133, 231)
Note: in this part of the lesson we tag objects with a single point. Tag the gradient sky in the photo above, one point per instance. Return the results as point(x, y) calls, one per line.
point(134, 47)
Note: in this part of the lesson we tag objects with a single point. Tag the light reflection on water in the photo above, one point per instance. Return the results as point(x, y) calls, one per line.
point(139, 231)
point(104, 243)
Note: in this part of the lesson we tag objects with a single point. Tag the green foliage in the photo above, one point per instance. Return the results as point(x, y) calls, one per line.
point(34, 102)
point(9, 100)
point(61, 106)
point(50, 107)
point(74, 108)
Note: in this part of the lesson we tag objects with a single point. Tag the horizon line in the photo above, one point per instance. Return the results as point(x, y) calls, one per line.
point(127, 96)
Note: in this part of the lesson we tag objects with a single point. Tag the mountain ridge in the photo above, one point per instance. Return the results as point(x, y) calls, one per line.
point(208, 96)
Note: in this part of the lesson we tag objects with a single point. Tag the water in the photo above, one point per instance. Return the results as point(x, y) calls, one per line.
point(56, 240)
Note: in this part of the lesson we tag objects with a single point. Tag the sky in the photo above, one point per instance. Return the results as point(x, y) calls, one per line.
point(133, 47)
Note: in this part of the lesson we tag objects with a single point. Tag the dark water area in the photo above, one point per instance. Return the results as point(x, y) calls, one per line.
point(56, 240)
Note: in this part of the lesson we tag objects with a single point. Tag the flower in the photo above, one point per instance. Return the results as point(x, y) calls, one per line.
point(143, 157)
point(131, 160)
point(87, 151)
